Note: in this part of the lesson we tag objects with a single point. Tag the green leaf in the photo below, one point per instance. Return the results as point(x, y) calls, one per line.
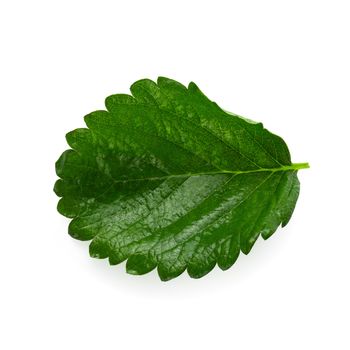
point(165, 178)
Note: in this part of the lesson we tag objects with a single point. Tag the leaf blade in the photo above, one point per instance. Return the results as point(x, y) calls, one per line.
point(166, 179)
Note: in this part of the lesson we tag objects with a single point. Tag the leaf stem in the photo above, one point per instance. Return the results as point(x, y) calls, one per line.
point(297, 166)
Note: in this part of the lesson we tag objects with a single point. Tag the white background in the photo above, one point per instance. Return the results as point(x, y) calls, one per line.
point(285, 63)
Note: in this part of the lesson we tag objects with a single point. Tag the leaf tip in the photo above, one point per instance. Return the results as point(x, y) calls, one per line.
point(167, 83)
point(140, 264)
point(267, 233)
point(193, 87)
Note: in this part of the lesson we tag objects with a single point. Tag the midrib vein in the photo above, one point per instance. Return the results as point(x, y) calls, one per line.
point(293, 167)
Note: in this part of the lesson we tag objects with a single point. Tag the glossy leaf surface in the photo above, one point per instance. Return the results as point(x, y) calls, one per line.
point(164, 178)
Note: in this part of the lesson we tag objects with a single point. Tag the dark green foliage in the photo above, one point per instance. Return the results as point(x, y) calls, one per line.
point(165, 178)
